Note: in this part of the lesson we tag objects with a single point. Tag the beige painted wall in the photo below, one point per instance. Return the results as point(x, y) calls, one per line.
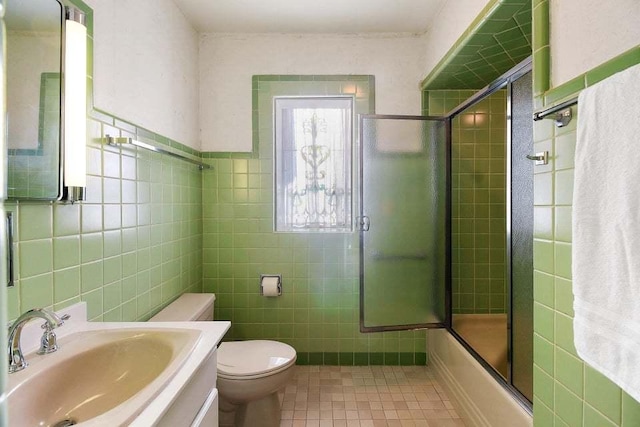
point(586, 33)
point(227, 63)
point(147, 69)
point(146, 66)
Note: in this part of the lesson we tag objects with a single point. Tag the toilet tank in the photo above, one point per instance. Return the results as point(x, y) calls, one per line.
point(188, 307)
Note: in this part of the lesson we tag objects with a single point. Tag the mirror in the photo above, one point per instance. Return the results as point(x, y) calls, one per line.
point(34, 98)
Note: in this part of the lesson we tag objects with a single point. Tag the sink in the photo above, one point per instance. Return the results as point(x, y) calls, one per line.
point(108, 375)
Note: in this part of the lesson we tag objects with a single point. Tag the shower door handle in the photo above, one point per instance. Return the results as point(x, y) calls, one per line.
point(541, 158)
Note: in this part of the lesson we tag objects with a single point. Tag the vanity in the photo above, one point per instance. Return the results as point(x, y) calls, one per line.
point(158, 374)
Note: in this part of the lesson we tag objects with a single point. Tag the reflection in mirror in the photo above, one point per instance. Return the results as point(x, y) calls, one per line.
point(34, 45)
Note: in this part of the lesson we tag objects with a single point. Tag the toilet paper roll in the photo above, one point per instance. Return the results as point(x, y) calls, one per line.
point(270, 286)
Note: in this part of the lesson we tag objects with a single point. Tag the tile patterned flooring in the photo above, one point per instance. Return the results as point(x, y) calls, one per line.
point(366, 396)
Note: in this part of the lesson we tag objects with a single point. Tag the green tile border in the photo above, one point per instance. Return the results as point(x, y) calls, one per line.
point(541, 49)
point(593, 76)
point(542, 62)
point(541, 67)
point(361, 359)
point(140, 132)
point(565, 90)
point(615, 65)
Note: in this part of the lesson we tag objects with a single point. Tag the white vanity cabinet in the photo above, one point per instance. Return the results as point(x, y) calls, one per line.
point(208, 415)
point(197, 403)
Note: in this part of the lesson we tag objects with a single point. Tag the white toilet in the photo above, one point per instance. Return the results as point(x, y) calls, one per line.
point(250, 373)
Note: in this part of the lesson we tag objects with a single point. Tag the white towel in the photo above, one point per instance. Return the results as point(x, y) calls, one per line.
point(606, 229)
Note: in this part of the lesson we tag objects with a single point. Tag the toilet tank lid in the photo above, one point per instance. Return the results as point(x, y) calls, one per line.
point(186, 307)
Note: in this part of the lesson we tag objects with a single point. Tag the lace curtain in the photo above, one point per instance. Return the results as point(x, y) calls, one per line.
point(313, 161)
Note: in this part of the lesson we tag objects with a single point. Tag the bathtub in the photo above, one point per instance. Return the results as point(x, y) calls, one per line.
point(479, 398)
point(487, 334)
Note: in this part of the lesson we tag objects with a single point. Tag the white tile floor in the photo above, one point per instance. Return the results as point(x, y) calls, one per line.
point(366, 396)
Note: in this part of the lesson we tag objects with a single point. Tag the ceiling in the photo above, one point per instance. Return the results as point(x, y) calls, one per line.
point(306, 16)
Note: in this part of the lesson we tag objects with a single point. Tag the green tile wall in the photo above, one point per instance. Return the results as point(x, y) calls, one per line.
point(567, 392)
point(318, 312)
point(133, 246)
point(478, 200)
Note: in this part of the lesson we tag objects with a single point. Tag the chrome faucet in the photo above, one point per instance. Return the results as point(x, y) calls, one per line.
point(17, 361)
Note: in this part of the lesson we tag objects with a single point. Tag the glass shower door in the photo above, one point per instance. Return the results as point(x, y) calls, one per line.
point(522, 236)
point(403, 222)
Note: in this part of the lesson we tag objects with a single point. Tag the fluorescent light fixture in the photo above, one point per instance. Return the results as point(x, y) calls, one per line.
point(75, 102)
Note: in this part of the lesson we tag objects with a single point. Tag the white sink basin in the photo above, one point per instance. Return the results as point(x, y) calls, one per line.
point(110, 374)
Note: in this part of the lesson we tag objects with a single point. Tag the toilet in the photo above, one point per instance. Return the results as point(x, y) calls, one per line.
point(250, 373)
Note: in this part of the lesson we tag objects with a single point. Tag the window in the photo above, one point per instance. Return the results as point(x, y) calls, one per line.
point(313, 140)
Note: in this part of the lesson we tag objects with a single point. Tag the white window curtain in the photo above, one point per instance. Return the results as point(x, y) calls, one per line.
point(313, 164)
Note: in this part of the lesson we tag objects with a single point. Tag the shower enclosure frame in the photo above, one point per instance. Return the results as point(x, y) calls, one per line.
point(502, 82)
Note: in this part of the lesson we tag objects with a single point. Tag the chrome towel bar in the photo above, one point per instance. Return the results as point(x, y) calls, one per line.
point(130, 141)
point(562, 112)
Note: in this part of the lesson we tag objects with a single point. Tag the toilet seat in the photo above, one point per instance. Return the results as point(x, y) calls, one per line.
point(245, 360)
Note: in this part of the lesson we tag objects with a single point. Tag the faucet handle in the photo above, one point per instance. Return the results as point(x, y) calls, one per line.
point(48, 327)
point(48, 342)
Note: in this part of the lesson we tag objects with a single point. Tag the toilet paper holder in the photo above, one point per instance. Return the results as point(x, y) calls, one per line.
point(265, 276)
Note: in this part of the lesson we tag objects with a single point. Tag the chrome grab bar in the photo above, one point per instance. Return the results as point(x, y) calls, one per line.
point(114, 141)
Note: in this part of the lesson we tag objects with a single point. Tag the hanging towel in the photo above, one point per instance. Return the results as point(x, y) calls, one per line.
point(606, 229)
